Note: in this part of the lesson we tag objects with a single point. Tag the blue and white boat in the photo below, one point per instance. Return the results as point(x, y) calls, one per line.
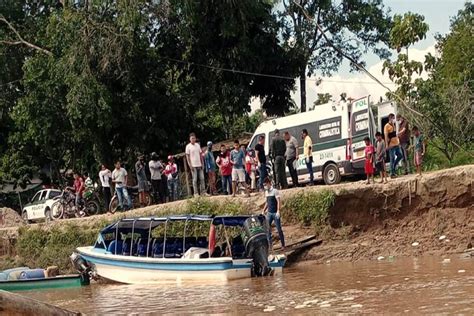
point(180, 248)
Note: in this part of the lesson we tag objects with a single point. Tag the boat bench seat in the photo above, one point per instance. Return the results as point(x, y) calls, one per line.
point(127, 248)
point(174, 246)
point(111, 247)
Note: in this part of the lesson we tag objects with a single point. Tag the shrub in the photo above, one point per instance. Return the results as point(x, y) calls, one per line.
point(309, 208)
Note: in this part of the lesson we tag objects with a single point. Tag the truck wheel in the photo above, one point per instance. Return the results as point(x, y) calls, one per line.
point(24, 215)
point(331, 174)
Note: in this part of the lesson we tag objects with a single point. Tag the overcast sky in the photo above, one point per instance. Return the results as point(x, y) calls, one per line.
point(437, 14)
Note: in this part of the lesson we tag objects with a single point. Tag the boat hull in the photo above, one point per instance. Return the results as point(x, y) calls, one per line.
point(59, 282)
point(137, 270)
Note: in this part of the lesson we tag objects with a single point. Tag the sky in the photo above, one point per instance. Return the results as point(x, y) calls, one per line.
point(437, 13)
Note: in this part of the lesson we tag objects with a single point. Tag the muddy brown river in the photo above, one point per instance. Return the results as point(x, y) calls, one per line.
point(412, 285)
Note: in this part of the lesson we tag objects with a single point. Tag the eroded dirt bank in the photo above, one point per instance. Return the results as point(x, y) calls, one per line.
point(432, 215)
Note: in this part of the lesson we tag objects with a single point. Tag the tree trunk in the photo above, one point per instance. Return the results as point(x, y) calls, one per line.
point(303, 89)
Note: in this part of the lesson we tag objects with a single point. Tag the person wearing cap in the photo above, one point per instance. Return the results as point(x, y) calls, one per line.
point(277, 151)
point(141, 179)
point(171, 172)
point(155, 174)
point(210, 168)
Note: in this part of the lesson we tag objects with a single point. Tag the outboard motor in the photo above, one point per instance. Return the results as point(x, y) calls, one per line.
point(254, 236)
point(81, 266)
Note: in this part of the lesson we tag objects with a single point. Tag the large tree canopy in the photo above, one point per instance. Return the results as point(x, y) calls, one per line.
point(99, 81)
point(355, 27)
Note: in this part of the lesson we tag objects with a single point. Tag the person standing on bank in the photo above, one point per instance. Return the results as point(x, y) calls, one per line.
point(195, 162)
point(141, 180)
point(237, 159)
point(392, 143)
point(404, 137)
point(171, 171)
point(261, 161)
point(308, 154)
point(120, 177)
point(291, 155)
point(210, 168)
point(225, 167)
point(277, 150)
point(104, 176)
point(272, 212)
point(155, 174)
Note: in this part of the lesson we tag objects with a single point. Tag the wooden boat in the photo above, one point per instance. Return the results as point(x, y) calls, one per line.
point(38, 281)
point(133, 251)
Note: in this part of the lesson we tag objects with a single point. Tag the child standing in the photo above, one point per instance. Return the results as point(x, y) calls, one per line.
point(380, 157)
point(420, 148)
point(369, 160)
point(250, 167)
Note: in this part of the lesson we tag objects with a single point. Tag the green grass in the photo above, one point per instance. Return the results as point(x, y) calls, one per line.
point(309, 208)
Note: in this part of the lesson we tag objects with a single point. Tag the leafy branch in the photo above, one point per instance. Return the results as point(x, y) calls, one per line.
point(20, 40)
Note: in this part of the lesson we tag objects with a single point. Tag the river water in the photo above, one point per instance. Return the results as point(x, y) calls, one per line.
point(410, 285)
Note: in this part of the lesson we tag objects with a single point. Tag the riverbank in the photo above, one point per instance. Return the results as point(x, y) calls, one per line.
point(405, 217)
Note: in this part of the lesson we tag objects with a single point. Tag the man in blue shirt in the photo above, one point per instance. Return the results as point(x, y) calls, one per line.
point(237, 159)
point(272, 211)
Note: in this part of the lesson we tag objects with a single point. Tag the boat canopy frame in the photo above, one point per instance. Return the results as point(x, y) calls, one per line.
point(148, 224)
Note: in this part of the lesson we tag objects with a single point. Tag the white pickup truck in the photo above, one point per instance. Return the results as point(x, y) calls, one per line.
point(40, 206)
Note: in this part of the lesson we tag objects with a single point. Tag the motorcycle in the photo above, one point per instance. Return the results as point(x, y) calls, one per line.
point(133, 192)
point(65, 206)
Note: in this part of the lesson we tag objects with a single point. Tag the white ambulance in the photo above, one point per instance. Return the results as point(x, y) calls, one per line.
point(337, 130)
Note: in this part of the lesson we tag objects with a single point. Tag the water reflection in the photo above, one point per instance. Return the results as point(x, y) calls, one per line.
point(426, 285)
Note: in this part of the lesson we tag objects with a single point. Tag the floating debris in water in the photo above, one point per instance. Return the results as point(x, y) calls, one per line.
point(348, 298)
point(406, 279)
point(461, 271)
point(380, 258)
point(325, 305)
point(269, 309)
point(442, 237)
point(447, 260)
point(300, 306)
point(356, 305)
point(245, 290)
point(415, 244)
point(310, 302)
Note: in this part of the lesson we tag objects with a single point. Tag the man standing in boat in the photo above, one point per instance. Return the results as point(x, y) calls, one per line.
point(272, 212)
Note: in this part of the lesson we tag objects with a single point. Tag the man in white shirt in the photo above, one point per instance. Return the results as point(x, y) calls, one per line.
point(156, 169)
point(195, 162)
point(104, 175)
point(120, 177)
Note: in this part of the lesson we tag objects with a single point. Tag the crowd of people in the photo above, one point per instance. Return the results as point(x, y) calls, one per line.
point(398, 147)
point(241, 167)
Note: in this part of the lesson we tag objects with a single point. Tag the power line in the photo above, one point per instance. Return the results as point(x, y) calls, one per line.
point(258, 74)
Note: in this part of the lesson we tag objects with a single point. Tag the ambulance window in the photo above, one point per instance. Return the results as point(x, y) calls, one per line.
point(254, 141)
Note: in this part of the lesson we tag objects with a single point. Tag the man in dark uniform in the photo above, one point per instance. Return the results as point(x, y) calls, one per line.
point(277, 150)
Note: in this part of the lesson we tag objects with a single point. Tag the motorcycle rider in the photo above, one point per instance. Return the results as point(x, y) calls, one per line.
point(78, 188)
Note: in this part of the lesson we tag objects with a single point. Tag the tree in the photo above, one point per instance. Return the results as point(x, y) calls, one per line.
point(407, 30)
point(356, 27)
point(136, 76)
point(441, 104)
point(323, 98)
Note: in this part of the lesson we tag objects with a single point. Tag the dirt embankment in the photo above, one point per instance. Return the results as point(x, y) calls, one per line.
point(410, 216)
